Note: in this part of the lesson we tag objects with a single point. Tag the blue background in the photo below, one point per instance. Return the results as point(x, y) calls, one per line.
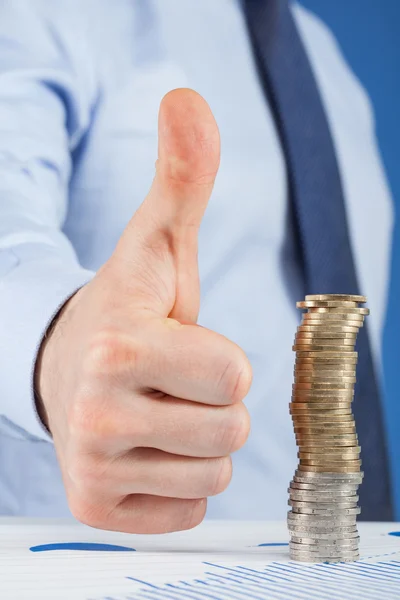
point(369, 34)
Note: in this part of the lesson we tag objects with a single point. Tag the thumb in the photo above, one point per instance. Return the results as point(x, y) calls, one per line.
point(159, 245)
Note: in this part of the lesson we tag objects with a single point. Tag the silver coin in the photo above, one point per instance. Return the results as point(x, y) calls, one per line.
point(309, 559)
point(324, 539)
point(317, 532)
point(342, 520)
point(323, 555)
point(326, 551)
point(329, 497)
point(325, 487)
point(328, 476)
point(331, 512)
point(320, 505)
point(333, 549)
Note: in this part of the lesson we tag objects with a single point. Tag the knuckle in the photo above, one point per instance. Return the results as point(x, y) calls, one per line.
point(110, 351)
point(235, 430)
point(235, 378)
point(85, 473)
point(87, 511)
point(222, 475)
point(89, 417)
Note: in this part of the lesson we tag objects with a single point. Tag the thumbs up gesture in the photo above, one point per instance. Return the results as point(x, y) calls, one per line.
point(145, 407)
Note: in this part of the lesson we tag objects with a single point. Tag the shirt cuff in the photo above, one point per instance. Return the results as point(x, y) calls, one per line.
point(32, 293)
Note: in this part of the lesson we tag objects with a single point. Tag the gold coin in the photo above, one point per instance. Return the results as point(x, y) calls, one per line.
point(312, 422)
point(330, 316)
point(322, 461)
point(327, 355)
point(318, 418)
point(338, 343)
point(310, 364)
point(334, 380)
point(322, 348)
point(328, 371)
point(333, 456)
point(326, 439)
point(322, 434)
point(329, 449)
point(330, 411)
point(323, 320)
point(335, 427)
point(335, 297)
point(323, 392)
point(323, 431)
point(323, 385)
point(325, 335)
point(329, 403)
point(326, 338)
point(310, 410)
point(328, 327)
point(317, 396)
point(327, 436)
point(342, 310)
point(338, 441)
point(322, 323)
point(327, 411)
point(325, 304)
point(332, 469)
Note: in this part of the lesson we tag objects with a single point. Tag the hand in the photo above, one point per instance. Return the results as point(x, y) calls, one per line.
point(144, 405)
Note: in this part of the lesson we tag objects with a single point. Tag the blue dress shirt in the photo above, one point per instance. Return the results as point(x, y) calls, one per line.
point(80, 86)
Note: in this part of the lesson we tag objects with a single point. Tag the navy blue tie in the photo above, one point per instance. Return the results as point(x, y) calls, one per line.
point(319, 213)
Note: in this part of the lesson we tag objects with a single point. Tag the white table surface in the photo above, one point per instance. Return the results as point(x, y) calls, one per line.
point(218, 560)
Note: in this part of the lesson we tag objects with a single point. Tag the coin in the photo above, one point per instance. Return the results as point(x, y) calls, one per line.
point(332, 469)
point(308, 558)
point(320, 404)
point(332, 316)
point(333, 456)
point(326, 429)
point(323, 385)
point(327, 462)
point(326, 362)
point(322, 341)
point(317, 544)
point(319, 356)
point(310, 409)
point(353, 510)
point(321, 498)
point(337, 297)
point(324, 533)
point(308, 441)
point(345, 488)
point(341, 310)
point(326, 303)
point(321, 522)
point(314, 379)
point(328, 327)
point(307, 391)
point(329, 335)
point(320, 418)
point(349, 545)
point(329, 450)
point(331, 476)
point(322, 348)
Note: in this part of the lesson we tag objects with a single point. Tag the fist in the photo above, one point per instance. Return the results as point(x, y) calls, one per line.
point(145, 407)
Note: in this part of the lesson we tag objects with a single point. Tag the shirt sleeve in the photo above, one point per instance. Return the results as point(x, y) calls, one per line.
point(46, 97)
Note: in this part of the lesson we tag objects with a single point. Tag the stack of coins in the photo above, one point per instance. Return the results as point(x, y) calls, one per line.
point(323, 492)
